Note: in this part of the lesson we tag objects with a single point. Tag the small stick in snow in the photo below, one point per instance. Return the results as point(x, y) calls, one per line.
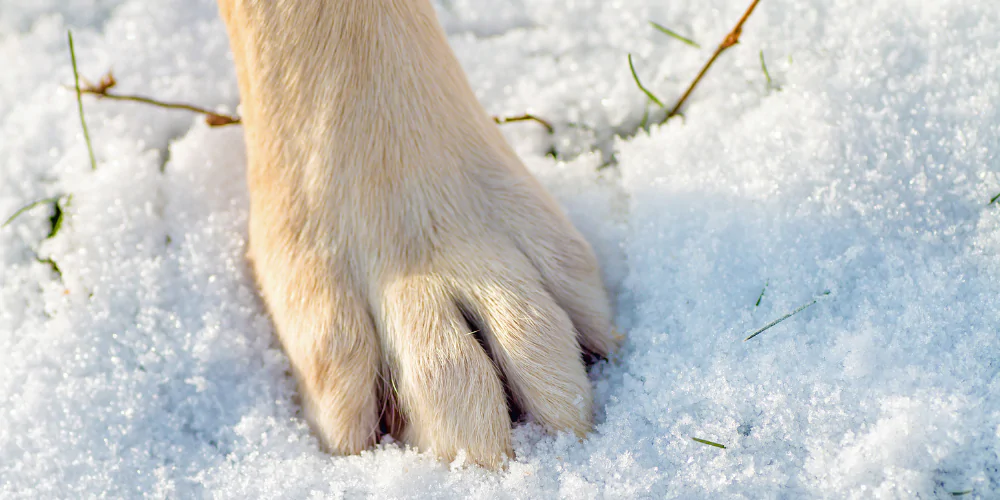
point(103, 91)
point(783, 318)
point(731, 39)
point(500, 120)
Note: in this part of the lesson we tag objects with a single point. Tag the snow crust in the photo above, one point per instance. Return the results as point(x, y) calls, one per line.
point(148, 368)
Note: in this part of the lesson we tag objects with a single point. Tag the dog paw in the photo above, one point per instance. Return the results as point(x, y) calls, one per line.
point(420, 280)
point(449, 321)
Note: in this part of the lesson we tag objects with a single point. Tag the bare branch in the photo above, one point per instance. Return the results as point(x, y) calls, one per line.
point(102, 90)
point(500, 120)
point(731, 39)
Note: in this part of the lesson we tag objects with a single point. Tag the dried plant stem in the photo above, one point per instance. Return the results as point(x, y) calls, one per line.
point(500, 120)
point(212, 118)
point(102, 90)
point(731, 39)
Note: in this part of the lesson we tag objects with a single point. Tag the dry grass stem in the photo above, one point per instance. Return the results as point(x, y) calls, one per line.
point(731, 39)
point(102, 90)
point(500, 120)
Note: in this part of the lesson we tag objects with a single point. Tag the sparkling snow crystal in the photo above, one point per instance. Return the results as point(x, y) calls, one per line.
point(148, 366)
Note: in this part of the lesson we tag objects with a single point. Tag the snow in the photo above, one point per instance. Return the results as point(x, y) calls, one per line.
point(148, 368)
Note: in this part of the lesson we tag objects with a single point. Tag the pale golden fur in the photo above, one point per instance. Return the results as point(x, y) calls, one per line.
point(387, 212)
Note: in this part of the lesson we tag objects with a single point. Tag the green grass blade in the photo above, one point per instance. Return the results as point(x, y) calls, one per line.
point(52, 265)
point(673, 34)
point(761, 296)
point(56, 220)
point(994, 199)
point(79, 102)
point(644, 90)
point(710, 443)
point(29, 206)
point(763, 66)
point(783, 318)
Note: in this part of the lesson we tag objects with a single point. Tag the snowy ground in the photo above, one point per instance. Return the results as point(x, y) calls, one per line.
point(148, 369)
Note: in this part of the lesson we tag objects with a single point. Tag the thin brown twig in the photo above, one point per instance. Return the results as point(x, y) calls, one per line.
point(522, 118)
point(102, 90)
point(731, 39)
